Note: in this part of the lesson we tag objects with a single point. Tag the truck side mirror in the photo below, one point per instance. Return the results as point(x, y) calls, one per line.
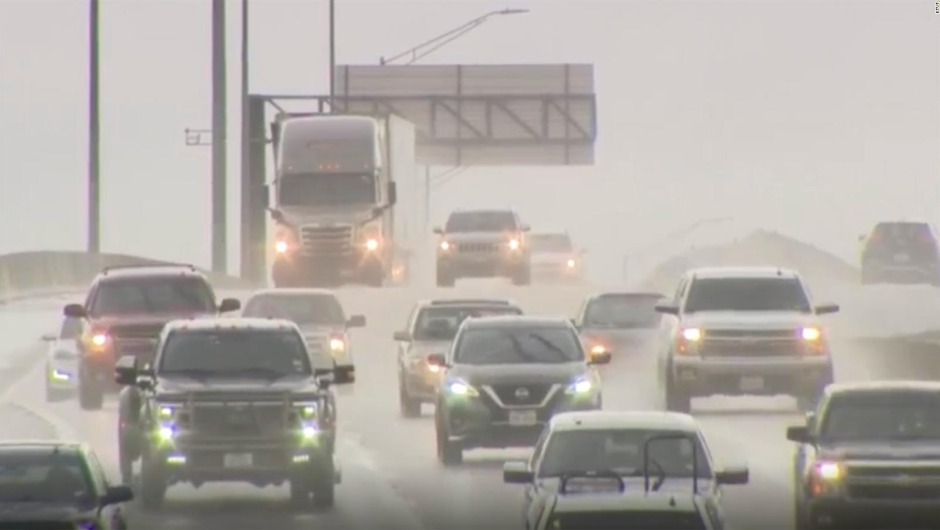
point(392, 193)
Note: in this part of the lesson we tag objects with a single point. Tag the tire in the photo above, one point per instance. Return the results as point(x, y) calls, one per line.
point(448, 453)
point(345, 374)
point(299, 493)
point(153, 484)
point(55, 395)
point(522, 276)
point(677, 400)
point(90, 394)
point(410, 407)
point(125, 462)
point(324, 484)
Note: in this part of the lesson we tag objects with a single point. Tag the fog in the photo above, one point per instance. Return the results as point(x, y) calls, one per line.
point(813, 118)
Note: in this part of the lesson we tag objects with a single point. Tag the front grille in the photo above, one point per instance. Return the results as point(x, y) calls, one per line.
point(507, 394)
point(239, 418)
point(477, 247)
point(752, 333)
point(895, 492)
point(500, 414)
point(751, 348)
point(894, 472)
point(894, 482)
point(327, 240)
point(317, 345)
point(215, 459)
point(136, 331)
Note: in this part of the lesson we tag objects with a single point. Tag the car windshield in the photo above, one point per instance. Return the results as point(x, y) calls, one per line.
point(326, 189)
point(304, 310)
point(622, 312)
point(34, 476)
point(442, 323)
point(152, 296)
point(883, 416)
point(619, 450)
point(71, 328)
point(550, 243)
point(481, 222)
point(630, 520)
point(518, 345)
point(232, 352)
point(747, 294)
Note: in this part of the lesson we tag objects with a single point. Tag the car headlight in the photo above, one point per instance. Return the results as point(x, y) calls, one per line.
point(306, 411)
point(97, 340)
point(459, 387)
point(514, 244)
point(581, 385)
point(337, 344)
point(372, 243)
point(811, 334)
point(692, 334)
point(571, 263)
point(830, 471)
point(445, 245)
point(598, 349)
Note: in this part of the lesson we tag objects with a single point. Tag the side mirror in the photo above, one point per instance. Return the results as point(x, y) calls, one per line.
point(402, 336)
point(392, 193)
point(798, 434)
point(827, 309)
point(125, 371)
point(437, 359)
point(117, 495)
point(325, 377)
point(75, 311)
point(733, 476)
point(229, 304)
point(517, 473)
point(438, 230)
point(600, 358)
point(667, 309)
point(48, 337)
point(356, 321)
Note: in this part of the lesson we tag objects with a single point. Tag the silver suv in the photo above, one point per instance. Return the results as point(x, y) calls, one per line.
point(743, 331)
point(483, 244)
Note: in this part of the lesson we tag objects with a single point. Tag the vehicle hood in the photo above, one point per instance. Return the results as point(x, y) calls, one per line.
point(882, 450)
point(521, 374)
point(42, 511)
point(179, 384)
point(615, 339)
point(148, 319)
point(427, 347)
point(355, 214)
point(749, 319)
point(320, 330)
point(633, 485)
point(469, 237)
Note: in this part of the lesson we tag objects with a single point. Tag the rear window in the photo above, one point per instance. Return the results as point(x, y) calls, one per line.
point(901, 235)
point(622, 312)
point(480, 222)
point(44, 477)
point(317, 309)
point(550, 243)
point(629, 520)
point(153, 295)
point(442, 323)
point(747, 294)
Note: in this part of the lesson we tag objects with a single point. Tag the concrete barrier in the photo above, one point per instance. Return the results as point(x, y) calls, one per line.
point(32, 274)
point(761, 248)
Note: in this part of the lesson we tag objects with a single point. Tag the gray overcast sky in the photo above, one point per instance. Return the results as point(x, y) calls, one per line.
point(815, 118)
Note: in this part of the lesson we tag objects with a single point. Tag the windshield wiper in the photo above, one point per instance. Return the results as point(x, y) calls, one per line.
point(550, 345)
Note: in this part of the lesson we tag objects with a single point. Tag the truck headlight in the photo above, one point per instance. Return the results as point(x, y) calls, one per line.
point(828, 470)
point(445, 245)
point(281, 247)
point(372, 243)
point(306, 411)
point(571, 263)
point(692, 334)
point(811, 334)
point(337, 344)
point(514, 244)
point(167, 431)
point(166, 412)
point(580, 386)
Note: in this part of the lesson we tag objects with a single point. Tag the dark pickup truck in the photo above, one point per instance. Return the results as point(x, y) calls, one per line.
point(229, 400)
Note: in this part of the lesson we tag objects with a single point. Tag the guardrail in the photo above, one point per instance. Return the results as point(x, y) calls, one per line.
point(32, 274)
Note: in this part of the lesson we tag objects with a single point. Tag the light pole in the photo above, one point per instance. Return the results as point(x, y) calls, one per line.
point(94, 134)
point(219, 124)
point(332, 51)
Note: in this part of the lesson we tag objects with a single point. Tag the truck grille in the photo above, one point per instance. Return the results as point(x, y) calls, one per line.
point(895, 492)
point(327, 240)
point(507, 394)
point(746, 334)
point(239, 417)
point(136, 331)
point(751, 343)
point(893, 482)
point(477, 247)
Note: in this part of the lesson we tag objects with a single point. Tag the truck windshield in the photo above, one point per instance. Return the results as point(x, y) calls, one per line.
point(518, 345)
point(326, 189)
point(232, 352)
point(623, 312)
point(136, 296)
point(44, 476)
point(883, 416)
point(480, 222)
point(747, 294)
point(304, 310)
point(620, 450)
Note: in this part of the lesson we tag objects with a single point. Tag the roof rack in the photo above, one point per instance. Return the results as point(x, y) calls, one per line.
point(110, 268)
point(662, 475)
point(459, 301)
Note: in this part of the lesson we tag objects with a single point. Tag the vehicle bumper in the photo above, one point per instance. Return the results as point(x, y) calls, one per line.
point(748, 376)
point(299, 268)
point(482, 264)
point(872, 513)
point(555, 271)
point(201, 460)
point(478, 424)
point(901, 273)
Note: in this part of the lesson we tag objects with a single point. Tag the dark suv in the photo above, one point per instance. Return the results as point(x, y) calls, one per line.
point(506, 377)
point(123, 314)
point(483, 244)
point(901, 252)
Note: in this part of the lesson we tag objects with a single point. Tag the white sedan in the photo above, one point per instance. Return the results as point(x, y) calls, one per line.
point(62, 360)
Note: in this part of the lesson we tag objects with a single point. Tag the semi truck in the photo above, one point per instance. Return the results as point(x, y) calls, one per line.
point(334, 195)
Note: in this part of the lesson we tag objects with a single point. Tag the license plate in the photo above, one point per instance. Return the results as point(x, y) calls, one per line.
point(522, 417)
point(901, 258)
point(750, 384)
point(238, 460)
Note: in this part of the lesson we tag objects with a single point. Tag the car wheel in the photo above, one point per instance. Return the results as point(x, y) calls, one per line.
point(90, 393)
point(410, 407)
point(449, 453)
point(153, 484)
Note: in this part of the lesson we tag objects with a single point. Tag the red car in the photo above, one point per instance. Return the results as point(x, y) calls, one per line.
point(124, 313)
